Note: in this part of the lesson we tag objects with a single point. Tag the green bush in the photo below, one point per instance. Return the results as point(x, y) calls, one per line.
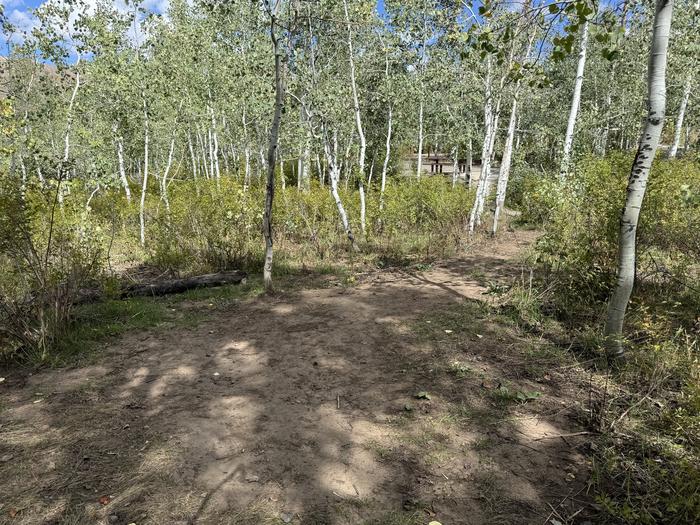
point(208, 228)
point(648, 473)
point(49, 253)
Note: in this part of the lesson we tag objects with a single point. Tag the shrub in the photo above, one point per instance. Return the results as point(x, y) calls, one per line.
point(47, 256)
point(647, 466)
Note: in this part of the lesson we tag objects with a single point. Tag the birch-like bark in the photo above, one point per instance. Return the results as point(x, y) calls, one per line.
point(66, 136)
point(166, 172)
point(193, 159)
point(575, 105)
point(283, 179)
point(469, 165)
point(272, 152)
point(214, 145)
point(681, 116)
point(321, 174)
point(485, 151)
point(636, 185)
point(334, 172)
point(419, 169)
point(455, 166)
point(358, 121)
point(306, 164)
point(203, 153)
point(246, 176)
point(120, 162)
point(385, 166)
point(210, 157)
point(144, 187)
point(504, 172)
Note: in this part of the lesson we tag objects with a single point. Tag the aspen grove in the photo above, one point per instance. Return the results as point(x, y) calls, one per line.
point(214, 156)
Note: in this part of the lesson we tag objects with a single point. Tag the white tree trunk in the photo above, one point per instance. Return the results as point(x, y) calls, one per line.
point(66, 136)
point(246, 176)
point(419, 169)
point(575, 104)
point(681, 116)
point(385, 166)
point(455, 166)
point(122, 171)
point(164, 179)
point(504, 172)
point(334, 168)
point(144, 187)
point(214, 146)
point(358, 121)
point(203, 152)
point(485, 153)
point(193, 158)
point(468, 176)
point(636, 186)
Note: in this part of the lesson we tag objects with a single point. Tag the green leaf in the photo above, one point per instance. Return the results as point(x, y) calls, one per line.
point(422, 395)
point(524, 397)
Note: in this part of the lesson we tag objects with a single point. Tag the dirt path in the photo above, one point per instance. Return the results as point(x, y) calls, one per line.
point(302, 408)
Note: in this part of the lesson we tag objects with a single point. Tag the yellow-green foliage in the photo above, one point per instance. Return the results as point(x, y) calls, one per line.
point(650, 473)
point(581, 220)
point(48, 253)
point(211, 228)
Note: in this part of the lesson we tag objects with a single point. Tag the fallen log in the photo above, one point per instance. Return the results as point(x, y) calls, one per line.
point(170, 286)
point(182, 285)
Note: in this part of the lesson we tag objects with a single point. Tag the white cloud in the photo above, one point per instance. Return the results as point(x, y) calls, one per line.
point(24, 20)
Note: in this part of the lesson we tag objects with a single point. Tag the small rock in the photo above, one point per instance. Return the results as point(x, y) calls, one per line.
point(216, 374)
point(6, 458)
point(286, 517)
point(2, 379)
point(252, 479)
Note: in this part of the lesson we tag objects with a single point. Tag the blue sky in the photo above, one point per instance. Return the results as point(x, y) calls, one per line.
point(19, 14)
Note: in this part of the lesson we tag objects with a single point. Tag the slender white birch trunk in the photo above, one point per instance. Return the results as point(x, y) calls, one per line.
point(485, 152)
point(358, 121)
point(681, 116)
point(575, 105)
point(164, 179)
point(246, 177)
point(504, 172)
point(455, 166)
point(203, 153)
point(419, 169)
point(334, 172)
point(636, 186)
point(66, 136)
point(469, 165)
point(215, 145)
point(192, 156)
point(120, 162)
point(385, 166)
point(144, 187)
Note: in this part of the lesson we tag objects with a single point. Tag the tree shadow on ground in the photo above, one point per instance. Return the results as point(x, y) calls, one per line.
point(302, 407)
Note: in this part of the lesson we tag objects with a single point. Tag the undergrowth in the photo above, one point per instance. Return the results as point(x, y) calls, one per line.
point(645, 410)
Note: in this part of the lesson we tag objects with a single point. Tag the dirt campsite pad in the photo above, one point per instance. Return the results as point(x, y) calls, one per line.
point(404, 399)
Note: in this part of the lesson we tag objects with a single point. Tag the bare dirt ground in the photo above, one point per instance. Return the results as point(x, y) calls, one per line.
point(303, 408)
